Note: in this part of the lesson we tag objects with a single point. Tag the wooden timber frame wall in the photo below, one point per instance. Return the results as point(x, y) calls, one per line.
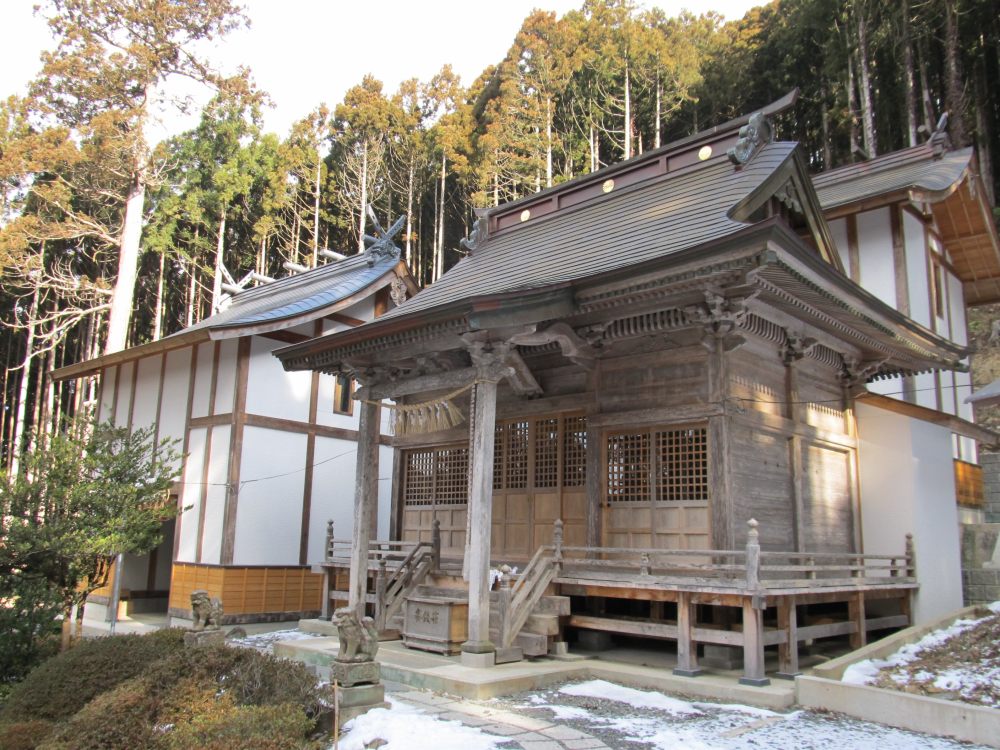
point(249, 593)
point(681, 446)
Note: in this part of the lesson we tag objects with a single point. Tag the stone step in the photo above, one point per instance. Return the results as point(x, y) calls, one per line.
point(553, 605)
point(532, 644)
point(541, 624)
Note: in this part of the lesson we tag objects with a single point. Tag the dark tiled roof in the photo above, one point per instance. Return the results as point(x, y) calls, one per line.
point(909, 169)
point(647, 221)
point(297, 295)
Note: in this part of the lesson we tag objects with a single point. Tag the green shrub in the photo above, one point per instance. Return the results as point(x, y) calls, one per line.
point(29, 626)
point(118, 718)
point(24, 735)
point(64, 684)
point(230, 727)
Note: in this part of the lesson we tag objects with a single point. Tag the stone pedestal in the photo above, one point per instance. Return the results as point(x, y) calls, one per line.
point(199, 638)
point(349, 674)
point(358, 688)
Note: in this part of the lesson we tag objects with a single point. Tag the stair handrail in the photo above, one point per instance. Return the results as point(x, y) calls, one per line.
point(392, 589)
point(530, 586)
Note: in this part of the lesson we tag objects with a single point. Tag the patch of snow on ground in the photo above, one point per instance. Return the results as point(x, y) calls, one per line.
point(265, 641)
point(636, 698)
point(404, 727)
point(865, 671)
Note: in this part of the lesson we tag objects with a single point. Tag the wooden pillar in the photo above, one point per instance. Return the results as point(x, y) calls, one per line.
point(856, 614)
point(753, 644)
point(479, 650)
point(365, 503)
point(720, 475)
point(687, 649)
point(788, 652)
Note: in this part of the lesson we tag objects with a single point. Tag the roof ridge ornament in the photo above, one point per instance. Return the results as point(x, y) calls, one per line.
point(382, 245)
point(480, 232)
point(757, 133)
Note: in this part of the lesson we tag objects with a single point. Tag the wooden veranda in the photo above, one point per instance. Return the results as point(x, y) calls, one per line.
point(699, 584)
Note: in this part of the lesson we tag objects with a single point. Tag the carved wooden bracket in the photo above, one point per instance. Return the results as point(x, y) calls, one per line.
point(720, 317)
point(856, 372)
point(796, 347)
point(573, 346)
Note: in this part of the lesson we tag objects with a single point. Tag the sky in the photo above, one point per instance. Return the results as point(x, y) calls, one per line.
point(304, 52)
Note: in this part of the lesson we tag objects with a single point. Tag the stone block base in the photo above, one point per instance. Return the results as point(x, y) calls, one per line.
point(470, 659)
point(199, 638)
point(354, 673)
point(354, 701)
point(722, 657)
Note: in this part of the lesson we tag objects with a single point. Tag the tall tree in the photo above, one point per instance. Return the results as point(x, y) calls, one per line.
point(103, 82)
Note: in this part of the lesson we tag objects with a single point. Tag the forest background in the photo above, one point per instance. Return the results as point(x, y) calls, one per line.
point(108, 240)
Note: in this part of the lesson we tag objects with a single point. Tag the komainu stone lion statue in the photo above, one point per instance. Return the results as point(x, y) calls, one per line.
point(358, 636)
point(206, 611)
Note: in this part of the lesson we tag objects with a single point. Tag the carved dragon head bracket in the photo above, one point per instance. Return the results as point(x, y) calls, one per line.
point(857, 372)
point(720, 317)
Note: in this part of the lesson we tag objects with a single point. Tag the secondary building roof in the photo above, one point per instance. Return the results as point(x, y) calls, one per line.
point(928, 174)
point(271, 307)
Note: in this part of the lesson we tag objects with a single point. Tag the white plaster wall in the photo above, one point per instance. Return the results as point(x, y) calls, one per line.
point(225, 388)
point(215, 496)
point(878, 273)
point(956, 307)
point(333, 492)
point(926, 390)
point(147, 391)
point(173, 411)
point(269, 515)
point(191, 497)
point(272, 392)
point(124, 393)
point(838, 229)
point(919, 288)
point(107, 393)
point(948, 392)
point(907, 485)
point(892, 387)
point(203, 379)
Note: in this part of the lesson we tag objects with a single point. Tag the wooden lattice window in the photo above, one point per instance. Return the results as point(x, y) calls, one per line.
point(438, 476)
point(666, 465)
point(683, 464)
point(516, 444)
point(628, 467)
point(574, 451)
point(547, 452)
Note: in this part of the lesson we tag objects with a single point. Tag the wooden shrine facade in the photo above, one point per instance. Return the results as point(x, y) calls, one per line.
point(655, 355)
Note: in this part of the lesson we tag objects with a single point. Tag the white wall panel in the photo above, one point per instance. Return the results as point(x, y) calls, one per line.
point(225, 388)
point(147, 391)
point(203, 379)
point(215, 493)
point(107, 393)
point(332, 492)
point(916, 269)
point(191, 497)
point(173, 411)
point(956, 305)
point(272, 392)
point(907, 485)
point(269, 516)
point(124, 393)
point(926, 390)
point(878, 273)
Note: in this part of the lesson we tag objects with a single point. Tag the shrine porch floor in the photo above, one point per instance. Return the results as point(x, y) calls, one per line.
point(636, 667)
